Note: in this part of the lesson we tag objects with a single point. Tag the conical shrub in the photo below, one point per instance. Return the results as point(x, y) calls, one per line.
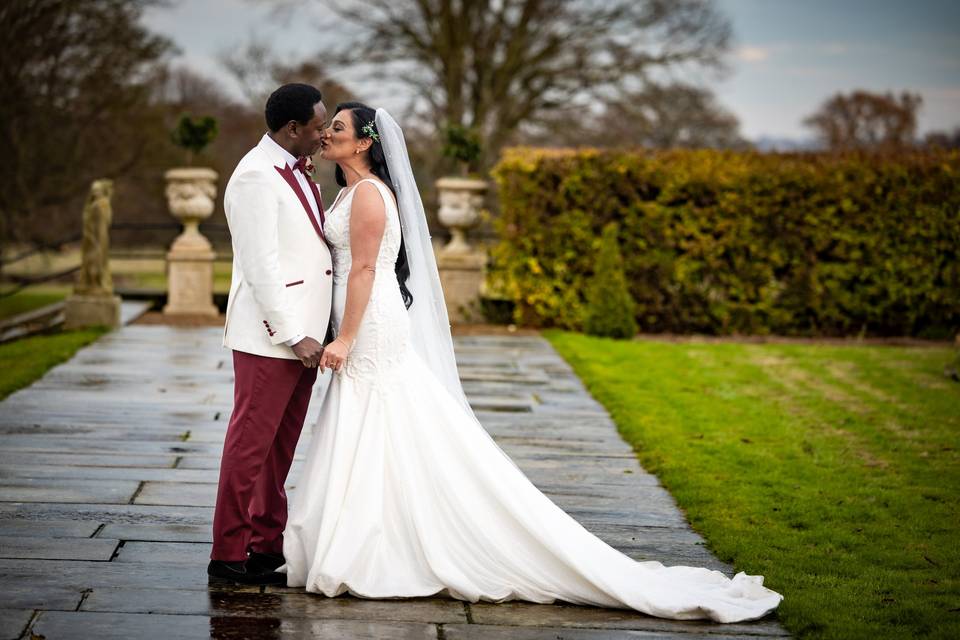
point(610, 308)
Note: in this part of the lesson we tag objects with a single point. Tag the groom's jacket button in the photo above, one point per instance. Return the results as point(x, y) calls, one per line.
point(329, 272)
point(293, 284)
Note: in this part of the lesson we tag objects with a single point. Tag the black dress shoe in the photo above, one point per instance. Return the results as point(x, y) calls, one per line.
point(264, 562)
point(239, 573)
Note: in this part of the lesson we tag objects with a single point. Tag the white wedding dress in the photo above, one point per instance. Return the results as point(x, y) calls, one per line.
point(403, 493)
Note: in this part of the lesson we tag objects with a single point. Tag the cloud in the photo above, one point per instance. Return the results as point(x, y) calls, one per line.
point(941, 106)
point(833, 48)
point(948, 93)
point(753, 54)
point(757, 53)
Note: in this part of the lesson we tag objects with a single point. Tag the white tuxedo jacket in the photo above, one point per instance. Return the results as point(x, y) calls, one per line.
point(282, 283)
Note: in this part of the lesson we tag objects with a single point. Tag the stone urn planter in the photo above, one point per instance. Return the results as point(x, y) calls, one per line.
point(461, 265)
point(190, 197)
point(460, 202)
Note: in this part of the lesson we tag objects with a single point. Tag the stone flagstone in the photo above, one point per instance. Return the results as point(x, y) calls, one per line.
point(108, 471)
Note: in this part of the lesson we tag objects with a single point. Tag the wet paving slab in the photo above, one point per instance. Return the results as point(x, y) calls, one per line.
point(33, 597)
point(511, 632)
point(13, 622)
point(84, 625)
point(279, 604)
point(140, 474)
point(187, 493)
point(192, 553)
point(49, 528)
point(81, 491)
point(108, 471)
point(154, 532)
point(522, 614)
point(46, 548)
point(10, 459)
point(105, 514)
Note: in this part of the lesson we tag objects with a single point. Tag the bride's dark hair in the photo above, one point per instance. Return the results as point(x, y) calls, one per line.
point(362, 115)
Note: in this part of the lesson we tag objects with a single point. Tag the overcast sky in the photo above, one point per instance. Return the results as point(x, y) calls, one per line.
point(789, 55)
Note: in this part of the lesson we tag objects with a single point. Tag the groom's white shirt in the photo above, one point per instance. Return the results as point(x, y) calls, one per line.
point(282, 283)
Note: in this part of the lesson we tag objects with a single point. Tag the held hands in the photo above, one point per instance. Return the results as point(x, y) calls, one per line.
point(335, 354)
point(309, 351)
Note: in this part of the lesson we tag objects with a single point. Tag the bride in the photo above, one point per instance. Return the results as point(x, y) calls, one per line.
point(403, 492)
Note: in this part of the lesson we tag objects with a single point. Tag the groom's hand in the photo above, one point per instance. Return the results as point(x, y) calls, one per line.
point(309, 352)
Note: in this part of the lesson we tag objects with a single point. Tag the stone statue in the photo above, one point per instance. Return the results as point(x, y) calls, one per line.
point(94, 277)
point(93, 302)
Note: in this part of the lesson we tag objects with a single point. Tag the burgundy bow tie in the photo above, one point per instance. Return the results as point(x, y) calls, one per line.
point(304, 164)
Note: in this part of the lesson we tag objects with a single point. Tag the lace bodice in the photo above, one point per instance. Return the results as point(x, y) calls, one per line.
point(384, 331)
point(337, 230)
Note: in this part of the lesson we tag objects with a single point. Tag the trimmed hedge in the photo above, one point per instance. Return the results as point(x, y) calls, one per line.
point(726, 242)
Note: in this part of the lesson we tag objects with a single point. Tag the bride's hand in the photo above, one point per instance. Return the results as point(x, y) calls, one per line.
point(335, 354)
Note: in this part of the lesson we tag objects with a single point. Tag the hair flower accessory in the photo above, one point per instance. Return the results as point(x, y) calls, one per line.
point(369, 131)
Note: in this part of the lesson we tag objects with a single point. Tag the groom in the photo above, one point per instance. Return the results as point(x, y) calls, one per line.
point(279, 306)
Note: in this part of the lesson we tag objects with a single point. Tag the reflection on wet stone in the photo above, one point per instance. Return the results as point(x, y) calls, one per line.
point(228, 628)
point(108, 475)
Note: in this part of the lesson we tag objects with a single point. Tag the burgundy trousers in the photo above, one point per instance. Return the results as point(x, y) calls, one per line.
point(270, 401)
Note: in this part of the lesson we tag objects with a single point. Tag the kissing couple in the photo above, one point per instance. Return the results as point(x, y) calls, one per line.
point(403, 493)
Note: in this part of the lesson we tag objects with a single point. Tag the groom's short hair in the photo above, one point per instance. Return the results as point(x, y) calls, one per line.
point(291, 102)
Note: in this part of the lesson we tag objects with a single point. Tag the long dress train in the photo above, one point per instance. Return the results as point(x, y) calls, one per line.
point(404, 494)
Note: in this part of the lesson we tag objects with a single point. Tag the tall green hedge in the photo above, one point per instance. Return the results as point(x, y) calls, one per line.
point(732, 242)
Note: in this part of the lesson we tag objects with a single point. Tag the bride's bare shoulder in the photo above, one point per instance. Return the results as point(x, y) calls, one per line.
point(369, 191)
point(368, 200)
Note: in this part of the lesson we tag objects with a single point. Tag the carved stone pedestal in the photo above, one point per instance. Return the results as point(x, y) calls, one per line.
point(91, 311)
point(190, 282)
point(461, 276)
point(190, 194)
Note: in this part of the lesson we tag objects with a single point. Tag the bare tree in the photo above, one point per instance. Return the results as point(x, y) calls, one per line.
point(943, 139)
point(864, 120)
point(259, 71)
point(139, 198)
point(499, 65)
point(659, 117)
point(76, 104)
point(179, 87)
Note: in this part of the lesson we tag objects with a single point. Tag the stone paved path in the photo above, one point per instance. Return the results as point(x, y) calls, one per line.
point(108, 468)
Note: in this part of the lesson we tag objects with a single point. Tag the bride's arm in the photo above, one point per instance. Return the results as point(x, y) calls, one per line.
point(367, 224)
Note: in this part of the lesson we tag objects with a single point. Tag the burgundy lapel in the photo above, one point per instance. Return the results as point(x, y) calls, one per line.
point(316, 198)
point(287, 174)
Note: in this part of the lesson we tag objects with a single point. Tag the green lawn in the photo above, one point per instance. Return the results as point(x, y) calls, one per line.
point(30, 299)
point(831, 470)
point(158, 280)
point(25, 360)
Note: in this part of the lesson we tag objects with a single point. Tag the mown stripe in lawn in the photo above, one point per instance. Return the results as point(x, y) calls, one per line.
point(832, 471)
